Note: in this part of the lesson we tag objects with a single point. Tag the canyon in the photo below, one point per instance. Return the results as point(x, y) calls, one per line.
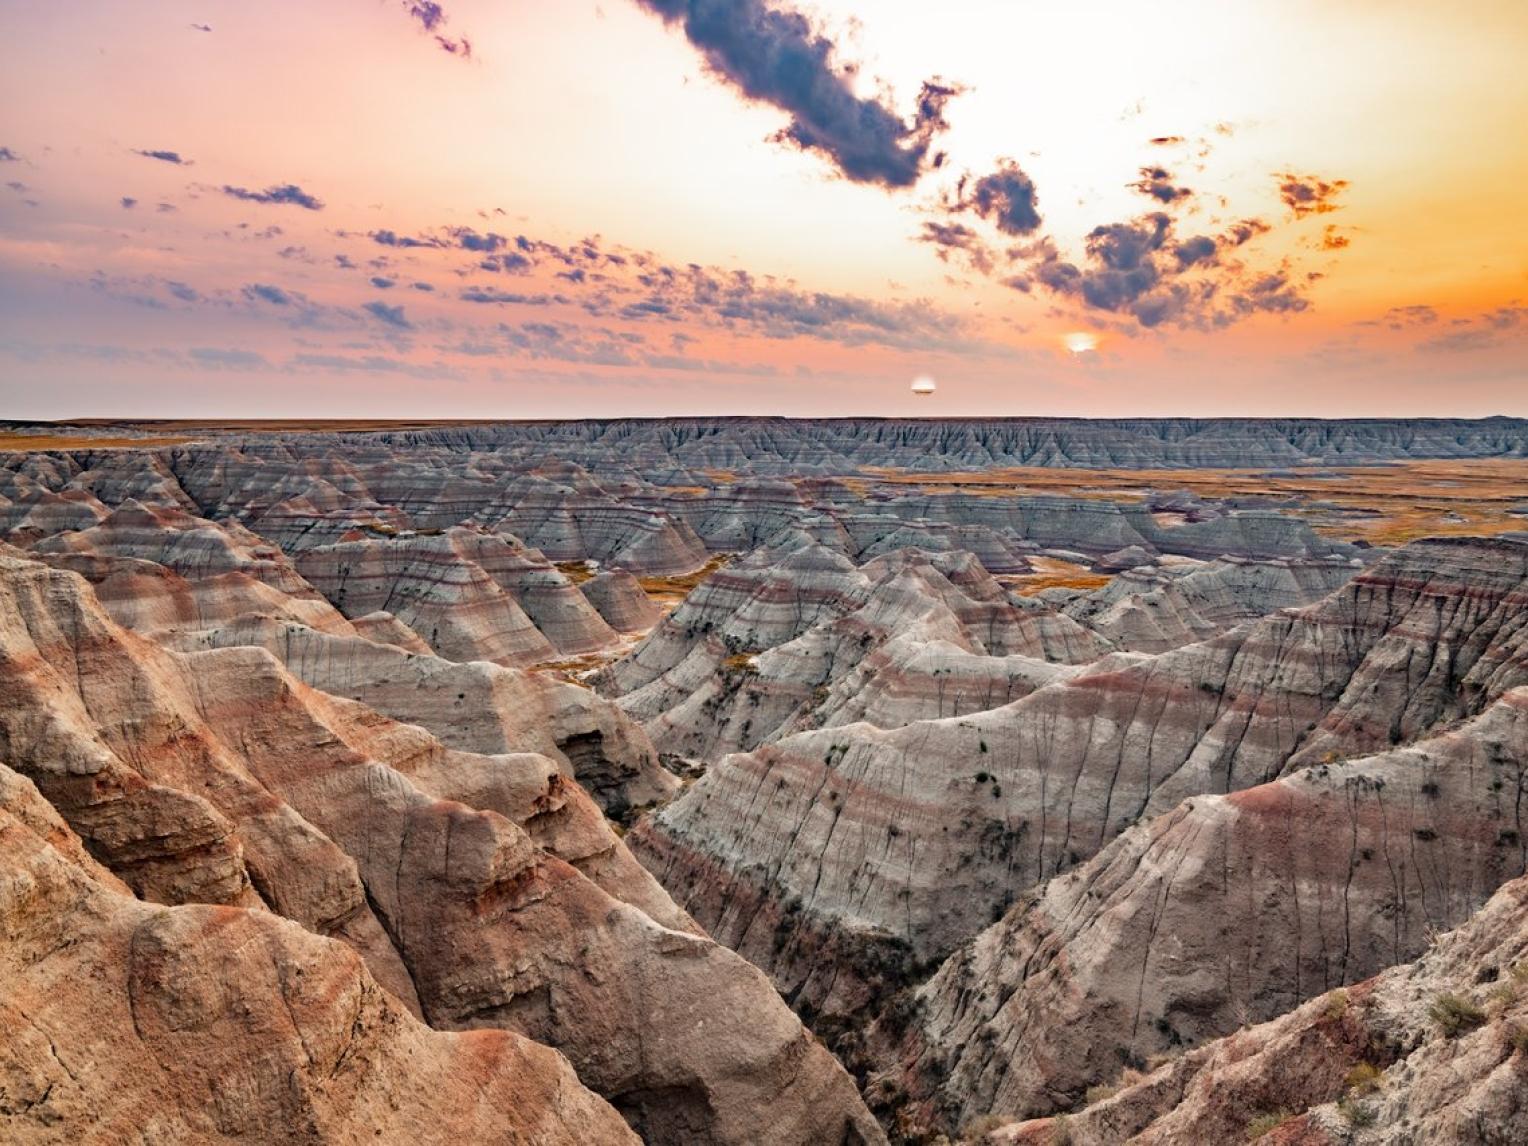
point(749, 780)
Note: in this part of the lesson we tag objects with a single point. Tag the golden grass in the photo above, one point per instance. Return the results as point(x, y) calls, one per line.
point(1053, 573)
point(1384, 505)
point(575, 571)
point(675, 589)
point(83, 442)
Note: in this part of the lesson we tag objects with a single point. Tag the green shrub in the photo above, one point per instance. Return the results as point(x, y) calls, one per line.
point(1265, 1123)
point(1455, 1015)
point(1357, 1114)
point(1363, 1079)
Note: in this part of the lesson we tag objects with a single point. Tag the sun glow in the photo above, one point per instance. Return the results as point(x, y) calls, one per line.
point(1080, 341)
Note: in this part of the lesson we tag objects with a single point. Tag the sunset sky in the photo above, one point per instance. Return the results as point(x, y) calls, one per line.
point(524, 208)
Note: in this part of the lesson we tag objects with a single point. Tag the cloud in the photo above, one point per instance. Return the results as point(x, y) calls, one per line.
point(948, 238)
point(164, 157)
point(391, 315)
point(8, 156)
point(214, 358)
point(370, 364)
point(422, 286)
point(1141, 269)
point(202, 27)
point(281, 193)
point(1480, 332)
point(128, 202)
point(432, 18)
point(470, 240)
point(1165, 140)
point(1157, 182)
point(1005, 198)
point(772, 55)
point(183, 292)
point(1307, 195)
point(165, 208)
point(393, 239)
point(382, 283)
point(1332, 239)
point(264, 292)
point(510, 298)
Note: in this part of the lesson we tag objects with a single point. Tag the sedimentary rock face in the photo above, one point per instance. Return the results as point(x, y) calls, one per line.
point(537, 781)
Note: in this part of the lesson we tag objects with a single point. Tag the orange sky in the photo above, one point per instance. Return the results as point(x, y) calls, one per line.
point(733, 273)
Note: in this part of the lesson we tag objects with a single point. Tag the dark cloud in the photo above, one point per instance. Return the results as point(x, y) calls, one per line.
point(1157, 182)
point(17, 186)
point(1166, 140)
point(282, 193)
point(202, 27)
point(510, 298)
point(128, 202)
point(216, 358)
point(432, 18)
point(369, 364)
point(391, 315)
point(1005, 198)
point(422, 286)
point(183, 292)
point(382, 283)
point(1480, 332)
point(1307, 195)
point(470, 240)
point(393, 239)
point(164, 156)
point(509, 263)
point(1332, 239)
point(773, 55)
point(1404, 317)
point(1142, 270)
point(951, 238)
point(264, 292)
point(8, 156)
point(165, 208)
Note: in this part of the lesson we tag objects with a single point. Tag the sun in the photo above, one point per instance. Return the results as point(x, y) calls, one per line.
point(1080, 341)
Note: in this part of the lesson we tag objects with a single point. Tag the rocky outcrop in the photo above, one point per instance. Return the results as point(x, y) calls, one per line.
point(482, 891)
point(125, 1020)
point(1153, 609)
point(902, 843)
point(1431, 1051)
point(773, 644)
point(619, 599)
point(1224, 910)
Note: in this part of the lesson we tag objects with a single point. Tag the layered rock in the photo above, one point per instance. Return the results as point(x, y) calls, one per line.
point(483, 891)
point(898, 844)
point(1226, 909)
point(1431, 1051)
point(1159, 608)
point(127, 1020)
point(618, 597)
point(772, 644)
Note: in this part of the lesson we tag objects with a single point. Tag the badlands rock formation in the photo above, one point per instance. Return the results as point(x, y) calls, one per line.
point(341, 797)
point(1431, 1051)
point(480, 891)
point(127, 1020)
point(847, 859)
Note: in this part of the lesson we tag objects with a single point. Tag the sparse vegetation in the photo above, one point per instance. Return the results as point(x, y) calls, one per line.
point(1455, 1015)
point(1264, 1124)
point(1356, 1113)
point(1363, 1079)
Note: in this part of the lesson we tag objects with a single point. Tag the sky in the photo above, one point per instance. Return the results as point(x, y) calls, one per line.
point(561, 208)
